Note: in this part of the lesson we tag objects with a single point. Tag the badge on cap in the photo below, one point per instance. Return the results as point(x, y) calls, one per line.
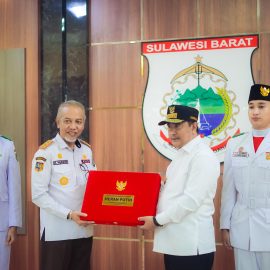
point(172, 114)
point(264, 91)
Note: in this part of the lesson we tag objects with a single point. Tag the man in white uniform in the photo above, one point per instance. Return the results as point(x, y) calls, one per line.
point(59, 173)
point(184, 230)
point(245, 204)
point(10, 199)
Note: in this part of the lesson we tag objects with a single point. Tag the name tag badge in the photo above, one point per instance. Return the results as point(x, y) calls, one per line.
point(60, 162)
point(84, 161)
point(241, 153)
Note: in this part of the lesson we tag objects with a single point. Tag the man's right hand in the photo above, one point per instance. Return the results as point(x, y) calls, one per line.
point(75, 216)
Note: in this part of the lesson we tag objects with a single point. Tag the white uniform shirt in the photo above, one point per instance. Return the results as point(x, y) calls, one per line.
point(245, 205)
point(59, 176)
point(10, 186)
point(185, 206)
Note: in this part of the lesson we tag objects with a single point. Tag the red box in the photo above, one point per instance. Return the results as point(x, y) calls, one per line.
point(119, 198)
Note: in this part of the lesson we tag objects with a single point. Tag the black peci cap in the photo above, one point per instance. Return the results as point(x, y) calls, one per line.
point(180, 113)
point(259, 92)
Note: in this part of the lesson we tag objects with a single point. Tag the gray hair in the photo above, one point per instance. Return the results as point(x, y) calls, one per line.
point(70, 103)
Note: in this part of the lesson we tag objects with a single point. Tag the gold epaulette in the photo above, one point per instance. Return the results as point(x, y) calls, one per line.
point(46, 144)
point(6, 138)
point(85, 143)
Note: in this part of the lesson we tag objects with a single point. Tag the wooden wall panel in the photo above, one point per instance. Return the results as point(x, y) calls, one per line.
point(163, 19)
point(148, 236)
point(115, 20)
point(152, 260)
point(115, 72)
point(255, 63)
point(217, 201)
point(157, 164)
point(218, 17)
point(262, 67)
point(116, 254)
point(263, 16)
point(116, 139)
point(121, 232)
point(223, 259)
point(19, 29)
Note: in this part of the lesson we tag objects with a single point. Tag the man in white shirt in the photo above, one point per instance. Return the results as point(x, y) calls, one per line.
point(245, 204)
point(184, 230)
point(10, 199)
point(59, 174)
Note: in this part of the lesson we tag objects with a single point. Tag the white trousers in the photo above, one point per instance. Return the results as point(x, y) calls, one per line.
point(251, 260)
point(4, 251)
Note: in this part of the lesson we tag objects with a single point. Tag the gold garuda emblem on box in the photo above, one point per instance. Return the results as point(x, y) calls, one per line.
point(121, 185)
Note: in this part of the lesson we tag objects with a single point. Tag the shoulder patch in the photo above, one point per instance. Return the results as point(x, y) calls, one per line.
point(46, 144)
point(6, 138)
point(239, 134)
point(85, 143)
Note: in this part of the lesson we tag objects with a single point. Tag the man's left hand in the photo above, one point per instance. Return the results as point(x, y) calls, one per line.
point(11, 235)
point(148, 223)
